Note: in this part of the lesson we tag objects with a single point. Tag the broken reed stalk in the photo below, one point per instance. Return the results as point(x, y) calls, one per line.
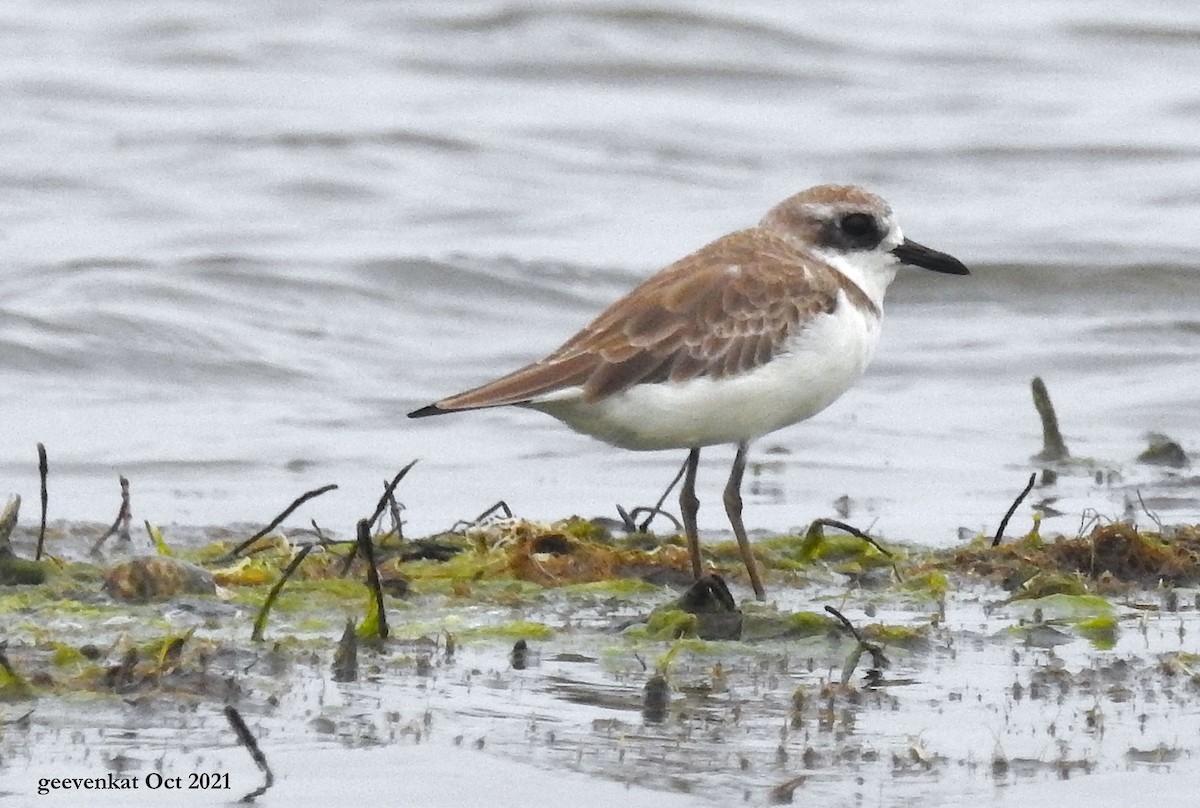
point(845, 622)
point(121, 523)
point(367, 548)
point(345, 658)
point(878, 660)
point(388, 493)
point(260, 622)
point(629, 518)
point(1053, 447)
point(296, 503)
point(1013, 509)
point(858, 534)
point(320, 534)
point(125, 516)
point(627, 522)
point(463, 524)
point(256, 754)
point(1153, 516)
point(394, 511)
point(43, 471)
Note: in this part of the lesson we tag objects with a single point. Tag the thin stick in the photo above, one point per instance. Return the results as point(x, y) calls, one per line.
point(43, 470)
point(260, 622)
point(320, 534)
point(652, 513)
point(627, 522)
point(657, 509)
point(1153, 516)
point(383, 501)
point(394, 510)
point(500, 507)
point(1013, 509)
point(845, 622)
point(368, 553)
point(387, 493)
point(296, 503)
point(121, 522)
point(878, 660)
point(247, 740)
point(125, 516)
point(858, 534)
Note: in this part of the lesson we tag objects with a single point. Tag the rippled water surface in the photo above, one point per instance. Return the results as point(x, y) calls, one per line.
point(241, 241)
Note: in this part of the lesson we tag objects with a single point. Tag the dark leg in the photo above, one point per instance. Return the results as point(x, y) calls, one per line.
point(689, 506)
point(733, 507)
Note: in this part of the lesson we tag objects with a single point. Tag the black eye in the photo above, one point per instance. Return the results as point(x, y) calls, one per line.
point(857, 226)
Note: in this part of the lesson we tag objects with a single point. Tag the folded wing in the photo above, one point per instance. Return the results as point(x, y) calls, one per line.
point(723, 310)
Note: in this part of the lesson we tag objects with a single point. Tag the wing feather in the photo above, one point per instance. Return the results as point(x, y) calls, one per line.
point(724, 310)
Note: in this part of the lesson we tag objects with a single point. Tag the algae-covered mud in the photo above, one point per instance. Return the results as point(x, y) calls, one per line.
point(529, 663)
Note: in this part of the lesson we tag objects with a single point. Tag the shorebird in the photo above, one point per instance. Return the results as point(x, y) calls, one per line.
point(760, 329)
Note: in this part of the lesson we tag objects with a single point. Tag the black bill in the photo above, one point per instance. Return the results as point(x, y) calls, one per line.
point(918, 255)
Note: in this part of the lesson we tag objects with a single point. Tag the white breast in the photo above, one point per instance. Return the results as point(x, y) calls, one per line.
point(820, 363)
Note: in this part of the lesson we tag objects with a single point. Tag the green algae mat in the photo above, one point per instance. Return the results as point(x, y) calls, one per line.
point(938, 675)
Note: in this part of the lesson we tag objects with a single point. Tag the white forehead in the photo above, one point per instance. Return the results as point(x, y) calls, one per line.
point(831, 210)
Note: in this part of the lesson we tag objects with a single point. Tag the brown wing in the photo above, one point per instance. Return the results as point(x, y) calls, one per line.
point(723, 310)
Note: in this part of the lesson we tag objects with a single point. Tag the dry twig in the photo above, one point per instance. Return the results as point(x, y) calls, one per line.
point(247, 740)
point(650, 514)
point(658, 506)
point(388, 494)
point(296, 503)
point(43, 471)
point(120, 525)
point(878, 660)
point(853, 531)
point(463, 525)
point(1013, 509)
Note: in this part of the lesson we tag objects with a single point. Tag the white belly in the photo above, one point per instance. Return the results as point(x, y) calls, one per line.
point(819, 365)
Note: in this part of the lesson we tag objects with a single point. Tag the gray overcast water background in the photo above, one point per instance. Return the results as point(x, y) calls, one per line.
point(240, 241)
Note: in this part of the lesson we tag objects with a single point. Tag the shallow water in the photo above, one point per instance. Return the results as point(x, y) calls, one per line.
point(990, 705)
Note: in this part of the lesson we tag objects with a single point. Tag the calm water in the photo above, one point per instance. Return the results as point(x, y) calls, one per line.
point(240, 241)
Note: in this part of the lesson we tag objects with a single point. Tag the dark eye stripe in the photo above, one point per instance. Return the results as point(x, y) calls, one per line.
point(852, 231)
point(857, 225)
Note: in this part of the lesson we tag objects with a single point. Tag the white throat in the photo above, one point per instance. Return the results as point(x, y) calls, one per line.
point(871, 271)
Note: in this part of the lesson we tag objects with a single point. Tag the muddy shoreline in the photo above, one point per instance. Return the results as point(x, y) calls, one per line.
point(1003, 674)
